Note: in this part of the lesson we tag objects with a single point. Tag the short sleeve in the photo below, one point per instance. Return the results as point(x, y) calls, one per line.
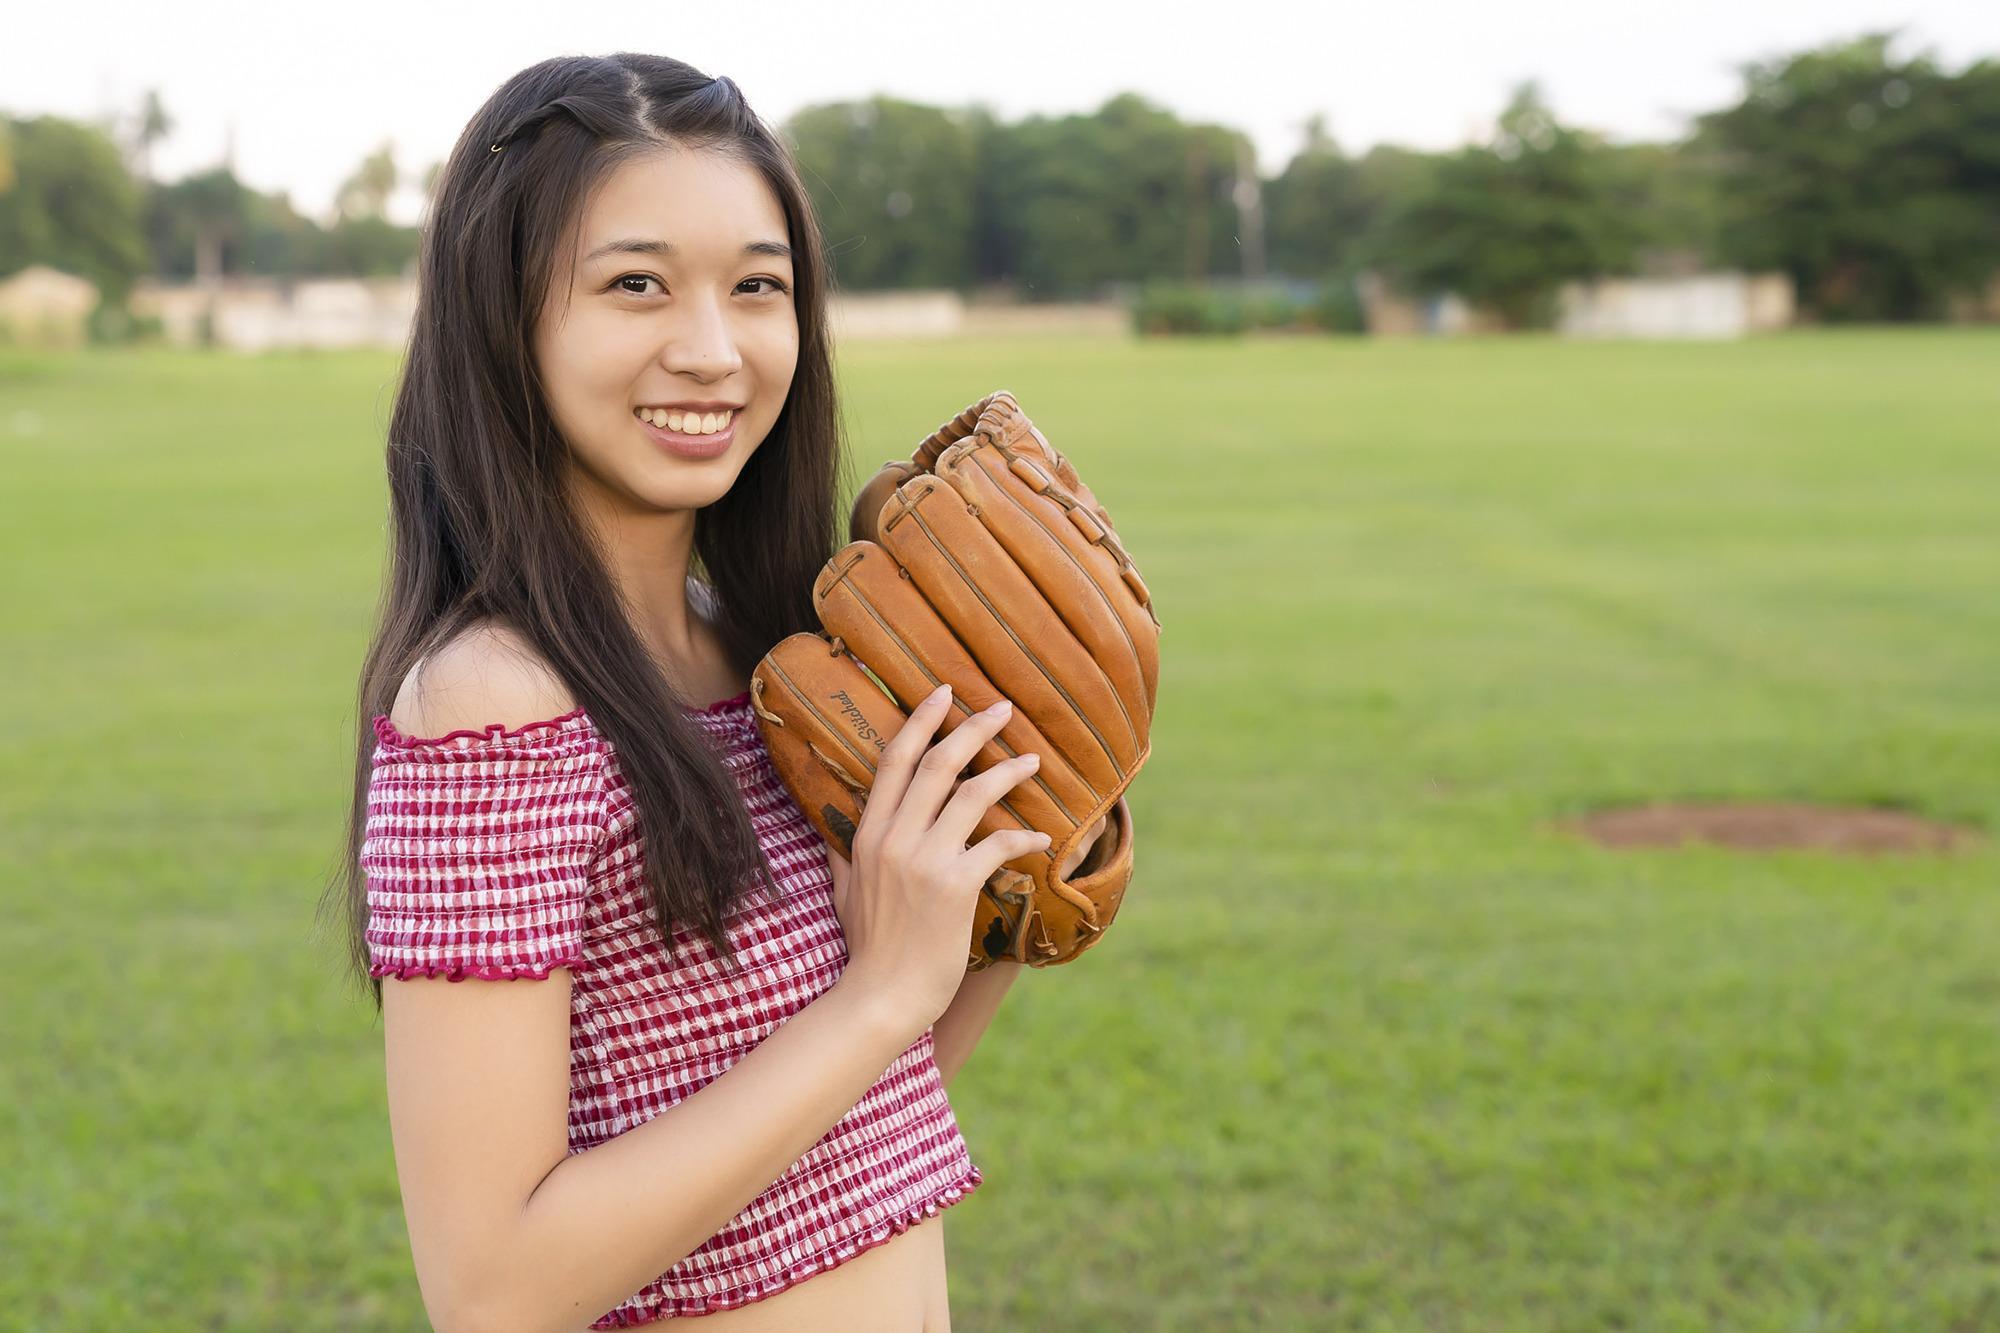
point(479, 849)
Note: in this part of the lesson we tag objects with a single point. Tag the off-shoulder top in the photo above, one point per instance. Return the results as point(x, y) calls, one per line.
point(505, 853)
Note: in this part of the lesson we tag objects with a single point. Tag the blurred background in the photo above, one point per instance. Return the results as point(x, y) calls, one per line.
point(1564, 449)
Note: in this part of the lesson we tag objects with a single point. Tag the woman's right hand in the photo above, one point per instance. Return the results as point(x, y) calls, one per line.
point(906, 903)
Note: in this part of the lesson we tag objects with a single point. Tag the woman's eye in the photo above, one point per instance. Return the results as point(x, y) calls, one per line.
point(643, 278)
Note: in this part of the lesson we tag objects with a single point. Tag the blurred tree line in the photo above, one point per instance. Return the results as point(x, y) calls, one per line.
point(1872, 179)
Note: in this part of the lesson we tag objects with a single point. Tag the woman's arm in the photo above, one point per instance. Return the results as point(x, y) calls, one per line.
point(510, 1232)
point(959, 1028)
point(606, 1222)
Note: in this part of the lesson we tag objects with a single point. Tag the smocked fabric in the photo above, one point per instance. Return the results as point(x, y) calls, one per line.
point(505, 853)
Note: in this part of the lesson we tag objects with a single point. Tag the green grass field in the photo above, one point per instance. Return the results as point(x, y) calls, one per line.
point(1371, 1046)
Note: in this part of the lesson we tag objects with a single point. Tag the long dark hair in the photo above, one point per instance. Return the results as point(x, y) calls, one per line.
point(480, 527)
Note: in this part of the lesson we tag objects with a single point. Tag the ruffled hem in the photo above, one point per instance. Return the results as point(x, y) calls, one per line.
point(390, 734)
point(473, 971)
point(882, 1234)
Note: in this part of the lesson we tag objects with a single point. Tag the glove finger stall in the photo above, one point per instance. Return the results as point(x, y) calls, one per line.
point(1081, 581)
point(882, 619)
point(1009, 628)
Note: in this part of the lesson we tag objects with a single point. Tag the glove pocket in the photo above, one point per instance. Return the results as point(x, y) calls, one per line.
point(1036, 918)
point(1080, 909)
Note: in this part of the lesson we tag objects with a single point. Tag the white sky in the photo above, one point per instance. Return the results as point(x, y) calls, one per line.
point(307, 93)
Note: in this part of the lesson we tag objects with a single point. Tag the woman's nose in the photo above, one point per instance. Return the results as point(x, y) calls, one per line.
point(704, 341)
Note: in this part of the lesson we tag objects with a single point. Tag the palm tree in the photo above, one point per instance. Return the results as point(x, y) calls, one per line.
point(154, 125)
point(366, 193)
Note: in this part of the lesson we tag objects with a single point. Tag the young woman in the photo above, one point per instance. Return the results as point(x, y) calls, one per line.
point(652, 1049)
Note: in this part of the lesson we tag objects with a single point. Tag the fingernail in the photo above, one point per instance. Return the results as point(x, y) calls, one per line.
point(941, 692)
point(1001, 709)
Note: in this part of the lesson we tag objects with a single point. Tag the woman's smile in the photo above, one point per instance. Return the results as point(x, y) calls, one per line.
point(697, 444)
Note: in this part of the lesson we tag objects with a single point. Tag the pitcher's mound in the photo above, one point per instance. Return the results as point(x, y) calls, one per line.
point(1765, 825)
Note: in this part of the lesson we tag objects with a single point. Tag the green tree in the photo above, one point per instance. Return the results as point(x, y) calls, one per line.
point(1047, 180)
point(892, 183)
point(1874, 182)
point(1212, 220)
point(369, 247)
point(68, 201)
point(1669, 193)
point(152, 125)
point(197, 224)
point(365, 194)
point(1072, 204)
point(1326, 209)
point(1505, 224)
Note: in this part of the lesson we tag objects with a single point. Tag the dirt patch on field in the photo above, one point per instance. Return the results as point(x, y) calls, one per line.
point(1769, 825)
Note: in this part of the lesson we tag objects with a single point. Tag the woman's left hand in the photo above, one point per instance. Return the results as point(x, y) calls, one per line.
point(1082, 851)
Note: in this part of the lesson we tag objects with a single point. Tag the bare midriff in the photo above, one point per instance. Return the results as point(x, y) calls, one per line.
point(896, 1287)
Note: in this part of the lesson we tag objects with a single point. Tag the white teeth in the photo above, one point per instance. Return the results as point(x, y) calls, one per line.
point(689, 423)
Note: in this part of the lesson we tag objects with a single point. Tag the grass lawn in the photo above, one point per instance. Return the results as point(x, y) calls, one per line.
point(1371, 1047)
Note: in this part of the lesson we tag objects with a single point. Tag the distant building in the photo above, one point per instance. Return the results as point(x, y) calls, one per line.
point(1670, 305)
point(1699, 305)
point(46, 307)
point(1976, 307)
point(250, 314)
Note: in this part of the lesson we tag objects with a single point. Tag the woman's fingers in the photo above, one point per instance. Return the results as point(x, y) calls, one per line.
point(898, 763)
point(959, 819)
point(938, 769)
point(998, 848)
point(915, 779)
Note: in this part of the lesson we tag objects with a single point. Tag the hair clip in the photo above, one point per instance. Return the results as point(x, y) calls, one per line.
point(496, 147)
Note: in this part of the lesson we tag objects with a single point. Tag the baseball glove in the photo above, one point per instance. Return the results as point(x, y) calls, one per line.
point(984, 562)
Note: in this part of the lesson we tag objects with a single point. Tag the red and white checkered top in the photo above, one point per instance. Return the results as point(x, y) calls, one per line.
point(509, 852)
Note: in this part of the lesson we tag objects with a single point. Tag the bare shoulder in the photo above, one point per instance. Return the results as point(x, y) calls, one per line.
point(485, 674)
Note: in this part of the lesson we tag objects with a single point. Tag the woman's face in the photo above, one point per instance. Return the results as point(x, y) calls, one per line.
point(697, 313)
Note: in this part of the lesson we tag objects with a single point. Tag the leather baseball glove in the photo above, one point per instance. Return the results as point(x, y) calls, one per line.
point(985, 562)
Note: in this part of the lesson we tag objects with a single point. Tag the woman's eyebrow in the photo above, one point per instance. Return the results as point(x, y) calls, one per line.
point(641, 245)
